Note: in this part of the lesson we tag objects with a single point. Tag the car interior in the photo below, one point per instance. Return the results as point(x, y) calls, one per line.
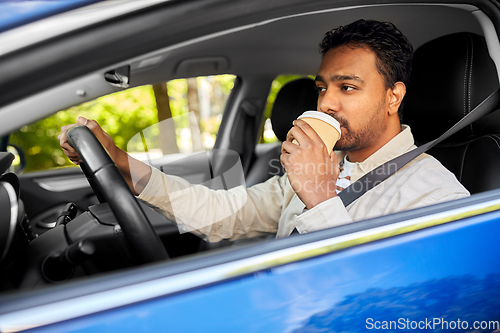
point(453, 72)
point(467, 75)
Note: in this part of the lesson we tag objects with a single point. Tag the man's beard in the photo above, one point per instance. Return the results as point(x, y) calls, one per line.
point(363, 137)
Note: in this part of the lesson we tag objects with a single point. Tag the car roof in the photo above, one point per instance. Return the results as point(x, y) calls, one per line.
point(15, 13)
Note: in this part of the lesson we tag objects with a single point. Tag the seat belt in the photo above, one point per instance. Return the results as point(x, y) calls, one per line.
point(384, 171)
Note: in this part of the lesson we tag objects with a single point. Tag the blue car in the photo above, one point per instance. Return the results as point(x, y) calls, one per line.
point(206, 90)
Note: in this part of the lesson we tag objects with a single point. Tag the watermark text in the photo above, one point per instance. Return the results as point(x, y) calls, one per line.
point(430, 324)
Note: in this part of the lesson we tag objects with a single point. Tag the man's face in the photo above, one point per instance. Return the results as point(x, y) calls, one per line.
point(353, 92)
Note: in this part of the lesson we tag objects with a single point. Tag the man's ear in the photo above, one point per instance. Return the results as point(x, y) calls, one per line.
point(396, 95)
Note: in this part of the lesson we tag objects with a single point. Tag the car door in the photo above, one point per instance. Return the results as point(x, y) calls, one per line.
point(432, 268)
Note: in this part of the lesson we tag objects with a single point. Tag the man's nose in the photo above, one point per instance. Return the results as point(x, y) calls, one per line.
point(329, 101)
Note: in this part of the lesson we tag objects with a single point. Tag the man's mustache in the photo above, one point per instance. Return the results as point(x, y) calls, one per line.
point(342, 121)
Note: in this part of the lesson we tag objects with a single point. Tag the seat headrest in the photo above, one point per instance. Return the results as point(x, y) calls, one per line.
point(292, 100)
point(451, 75)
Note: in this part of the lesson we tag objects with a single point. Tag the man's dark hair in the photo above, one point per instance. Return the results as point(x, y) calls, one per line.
point(393, 50)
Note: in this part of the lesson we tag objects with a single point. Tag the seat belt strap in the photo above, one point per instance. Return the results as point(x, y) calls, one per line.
point(384, 171)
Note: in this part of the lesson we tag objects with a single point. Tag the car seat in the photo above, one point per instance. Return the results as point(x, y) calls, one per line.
point(452, 75)
point(292, 100)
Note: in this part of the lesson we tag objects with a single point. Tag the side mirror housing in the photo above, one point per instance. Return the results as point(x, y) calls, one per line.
point(19, 163)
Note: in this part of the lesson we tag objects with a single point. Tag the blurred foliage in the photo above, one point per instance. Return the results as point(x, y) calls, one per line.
point(122, 115)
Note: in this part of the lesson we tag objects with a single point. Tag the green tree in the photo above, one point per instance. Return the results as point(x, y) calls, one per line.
point(122, 115)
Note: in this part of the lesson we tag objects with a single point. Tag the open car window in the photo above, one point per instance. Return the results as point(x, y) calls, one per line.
point(180, 116)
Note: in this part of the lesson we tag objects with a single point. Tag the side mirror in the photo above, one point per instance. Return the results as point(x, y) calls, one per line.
point(19, 163)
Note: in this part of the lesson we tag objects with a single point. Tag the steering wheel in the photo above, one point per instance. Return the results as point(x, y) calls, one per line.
point(144, 243)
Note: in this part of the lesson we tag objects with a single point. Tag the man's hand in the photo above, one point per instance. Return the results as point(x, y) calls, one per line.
point(106, 141)
point(129, 167)
point(311, 169)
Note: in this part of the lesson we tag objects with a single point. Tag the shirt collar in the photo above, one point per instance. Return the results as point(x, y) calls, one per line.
point(398, 145)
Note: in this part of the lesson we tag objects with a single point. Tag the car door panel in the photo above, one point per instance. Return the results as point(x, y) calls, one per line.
point(445, 275)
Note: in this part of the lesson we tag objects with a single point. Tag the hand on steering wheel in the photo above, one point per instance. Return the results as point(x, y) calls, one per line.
point(103, 137)
point(144, 243)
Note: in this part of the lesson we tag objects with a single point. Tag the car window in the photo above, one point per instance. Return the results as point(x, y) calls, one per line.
point(191, 110)
point(267, 134)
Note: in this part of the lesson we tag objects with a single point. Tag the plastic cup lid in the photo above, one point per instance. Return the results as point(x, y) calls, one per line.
point(322, 116)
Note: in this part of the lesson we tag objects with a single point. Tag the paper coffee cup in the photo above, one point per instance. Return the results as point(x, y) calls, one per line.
point(327, 127)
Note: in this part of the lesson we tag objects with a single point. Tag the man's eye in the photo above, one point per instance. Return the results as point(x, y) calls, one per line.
point(348, 88)
point(320, 89)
